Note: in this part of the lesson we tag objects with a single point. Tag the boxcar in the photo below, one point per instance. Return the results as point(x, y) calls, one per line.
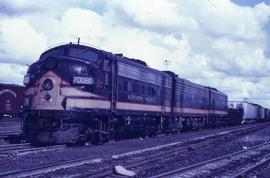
point(252, 112)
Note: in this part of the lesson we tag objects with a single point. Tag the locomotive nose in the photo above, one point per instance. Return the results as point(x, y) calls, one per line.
point(48, 89)
point(47, 92)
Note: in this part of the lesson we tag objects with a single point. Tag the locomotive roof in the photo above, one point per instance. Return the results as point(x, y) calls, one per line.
point(119, 57)
point(192, 83)
point(68, 46)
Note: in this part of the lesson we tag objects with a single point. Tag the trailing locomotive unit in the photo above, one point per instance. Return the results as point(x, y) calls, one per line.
point(77, 93)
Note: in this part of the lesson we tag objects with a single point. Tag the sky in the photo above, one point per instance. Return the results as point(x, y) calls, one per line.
point(219, 43)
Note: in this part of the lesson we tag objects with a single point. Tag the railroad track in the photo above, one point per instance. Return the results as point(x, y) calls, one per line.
point(49, 168)
point(23, 149)
point(7, 134)
point(179, 172)
point(13, 146)
point(108, 171)
point(254, 169)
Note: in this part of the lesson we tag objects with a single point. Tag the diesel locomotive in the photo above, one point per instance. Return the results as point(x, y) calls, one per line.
point(76, 93)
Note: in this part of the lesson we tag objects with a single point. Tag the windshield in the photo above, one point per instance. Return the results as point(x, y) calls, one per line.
point(70, 51)
point(83, 54)
point(53, 52)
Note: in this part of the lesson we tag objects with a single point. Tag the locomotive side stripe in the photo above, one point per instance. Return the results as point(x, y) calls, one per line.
point(198, 111)
point(86, 103)
point(157, 108)
point(101, 104)
point(71, 91)
point(221, 112)
point(190, 110)
point(141, 107)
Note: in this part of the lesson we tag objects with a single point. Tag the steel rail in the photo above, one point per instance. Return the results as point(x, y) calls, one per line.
point(20, 151)
point(14, 145)
point(50, 168)
point(252, 169)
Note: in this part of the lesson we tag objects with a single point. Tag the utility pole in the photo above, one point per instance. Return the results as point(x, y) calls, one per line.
point(166, 63)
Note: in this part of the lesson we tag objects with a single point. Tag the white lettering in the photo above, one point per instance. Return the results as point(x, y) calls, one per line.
point(83, 80)
point(135, 98)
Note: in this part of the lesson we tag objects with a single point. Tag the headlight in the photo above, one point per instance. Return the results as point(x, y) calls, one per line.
point(47, 97)
point(83, 80)
point(47, 84)
point(26, 79)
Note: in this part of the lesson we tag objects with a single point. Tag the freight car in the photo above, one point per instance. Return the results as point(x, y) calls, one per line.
point(11, 100)
point(251, 112)
point(76, 93)
point(235, 114)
